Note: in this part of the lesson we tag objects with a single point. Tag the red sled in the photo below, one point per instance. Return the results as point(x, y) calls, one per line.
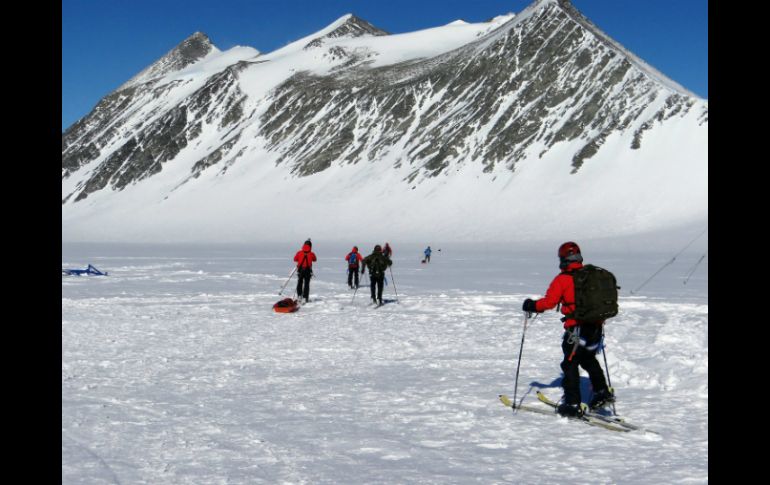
point(287, 305)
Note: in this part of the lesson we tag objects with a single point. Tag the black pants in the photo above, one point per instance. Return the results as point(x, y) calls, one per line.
point(351, 272)
point(379, 282)
point(584, 358)
point(303, 282)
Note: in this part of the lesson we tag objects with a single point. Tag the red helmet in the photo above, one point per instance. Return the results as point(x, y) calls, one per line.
point(569, 252)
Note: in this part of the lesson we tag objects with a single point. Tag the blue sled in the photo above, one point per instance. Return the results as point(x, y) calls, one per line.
point(89, 271)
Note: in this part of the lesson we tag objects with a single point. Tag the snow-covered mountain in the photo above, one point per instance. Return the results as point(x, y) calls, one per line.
point(528, 126)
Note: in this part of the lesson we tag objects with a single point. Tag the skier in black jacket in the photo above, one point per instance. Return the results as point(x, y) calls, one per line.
point(377, 263)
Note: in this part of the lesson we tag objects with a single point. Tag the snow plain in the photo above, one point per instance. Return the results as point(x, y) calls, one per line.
point(176, 370)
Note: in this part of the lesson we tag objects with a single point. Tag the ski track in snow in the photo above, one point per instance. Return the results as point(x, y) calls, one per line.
point(176, 370)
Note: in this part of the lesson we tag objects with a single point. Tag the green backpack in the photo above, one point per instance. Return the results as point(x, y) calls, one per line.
point(596, 294)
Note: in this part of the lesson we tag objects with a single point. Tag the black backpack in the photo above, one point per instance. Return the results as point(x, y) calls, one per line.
point(378, 265)
point(596, 294)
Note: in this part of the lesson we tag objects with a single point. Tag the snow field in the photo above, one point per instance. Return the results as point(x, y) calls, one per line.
point(176, 370)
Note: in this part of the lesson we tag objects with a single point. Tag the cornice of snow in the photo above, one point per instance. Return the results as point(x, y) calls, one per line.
point(349, 53)
point(502, 18)
point(347, 26)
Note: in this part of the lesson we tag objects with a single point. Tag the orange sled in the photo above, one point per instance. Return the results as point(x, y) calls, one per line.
point(287, 305)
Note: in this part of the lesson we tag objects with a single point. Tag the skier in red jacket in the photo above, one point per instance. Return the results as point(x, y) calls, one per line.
point(581, 339)
point(354, 259)
point(304, 258)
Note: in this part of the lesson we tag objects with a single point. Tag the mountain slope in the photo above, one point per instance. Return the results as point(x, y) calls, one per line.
point(487, 102)
point(540, 114)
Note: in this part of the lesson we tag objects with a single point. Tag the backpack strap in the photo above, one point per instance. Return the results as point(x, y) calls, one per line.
point(568, 316)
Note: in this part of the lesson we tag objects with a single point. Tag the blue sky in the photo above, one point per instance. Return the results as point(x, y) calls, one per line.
point(106, 42)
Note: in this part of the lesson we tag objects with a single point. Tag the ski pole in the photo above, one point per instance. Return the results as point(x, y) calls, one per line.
point(394, 282)
point(694, 268)
point(670, 262)
point(287, 281)
point(521, 348)
point(607, 369)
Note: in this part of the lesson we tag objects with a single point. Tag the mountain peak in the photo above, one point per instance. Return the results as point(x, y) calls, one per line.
point(572, 12)
point(198, 39)
point(355, 27)
point(192, 49)
point(189, 51)
point(347, 26)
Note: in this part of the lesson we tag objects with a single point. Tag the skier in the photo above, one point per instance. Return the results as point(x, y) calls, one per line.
point(427, 255)
point(377, 264)
point(387, 251)
point(353, 258)
point(581, 339)
point(304, 258)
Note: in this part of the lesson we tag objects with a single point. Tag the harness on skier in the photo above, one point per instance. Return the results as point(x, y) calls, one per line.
point(576, 340)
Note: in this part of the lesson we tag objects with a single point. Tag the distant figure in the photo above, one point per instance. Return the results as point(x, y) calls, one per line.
point(353, 258)
point(427, 255)
point(304, 258)
point(377, 264)
point(387, 251)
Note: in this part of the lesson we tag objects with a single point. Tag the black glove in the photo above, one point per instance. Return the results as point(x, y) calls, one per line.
point(529, 306)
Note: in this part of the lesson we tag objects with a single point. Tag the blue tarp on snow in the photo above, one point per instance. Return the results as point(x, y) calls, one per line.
point(89, 271)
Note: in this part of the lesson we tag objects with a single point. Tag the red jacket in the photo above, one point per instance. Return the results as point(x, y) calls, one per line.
point(561, 290)
point(305, 262)
point(358, 259)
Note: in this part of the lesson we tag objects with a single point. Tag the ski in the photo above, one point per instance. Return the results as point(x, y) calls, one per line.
point(591, 414)
point(384, 302)
point(508, 403)
point(585, 419)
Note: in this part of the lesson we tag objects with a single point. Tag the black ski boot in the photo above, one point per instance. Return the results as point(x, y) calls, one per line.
point(569, 410)
point(601, 399)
